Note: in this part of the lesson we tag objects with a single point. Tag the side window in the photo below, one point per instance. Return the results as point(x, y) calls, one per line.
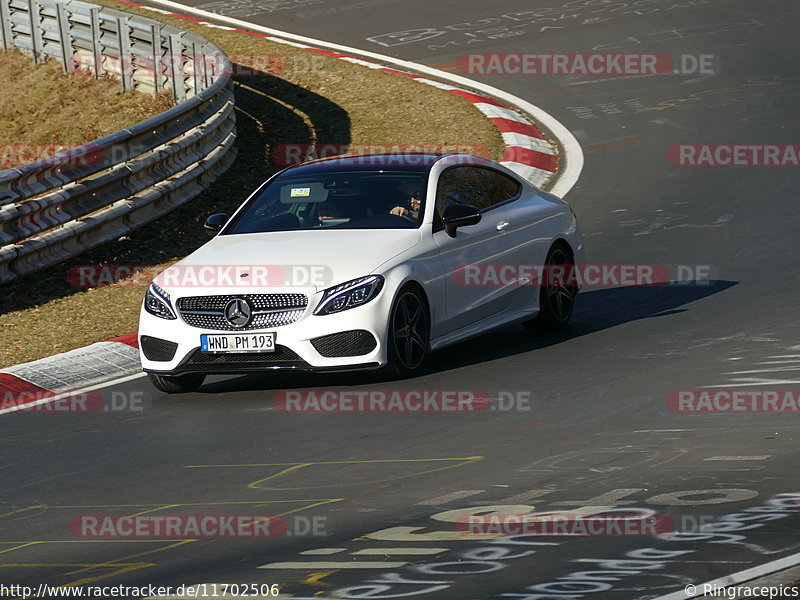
point(477, 186)
point(504, 187)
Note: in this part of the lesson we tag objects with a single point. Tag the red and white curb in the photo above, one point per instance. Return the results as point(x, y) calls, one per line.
point(41, 380)
point(528, 152)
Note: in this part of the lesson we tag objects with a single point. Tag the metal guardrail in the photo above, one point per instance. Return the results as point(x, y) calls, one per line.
point(56, 208)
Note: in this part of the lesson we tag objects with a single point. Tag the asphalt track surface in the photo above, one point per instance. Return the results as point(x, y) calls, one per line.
point(598, 432)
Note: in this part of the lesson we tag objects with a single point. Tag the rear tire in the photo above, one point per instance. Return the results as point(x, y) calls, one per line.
point(176, 384)
point(557, 292)
point(409, 335)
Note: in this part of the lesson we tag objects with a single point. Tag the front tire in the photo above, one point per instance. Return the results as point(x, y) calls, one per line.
point(176, 384)
point(409, 332)
point(556, 293)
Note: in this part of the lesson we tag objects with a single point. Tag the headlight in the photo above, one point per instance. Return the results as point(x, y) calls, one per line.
point(349, 295)
point(157, 303)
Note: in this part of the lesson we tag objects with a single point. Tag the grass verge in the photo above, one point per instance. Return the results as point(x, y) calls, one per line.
point(43, 110)
point(303, 98)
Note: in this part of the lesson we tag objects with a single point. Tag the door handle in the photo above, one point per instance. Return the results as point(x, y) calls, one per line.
point(501, 226)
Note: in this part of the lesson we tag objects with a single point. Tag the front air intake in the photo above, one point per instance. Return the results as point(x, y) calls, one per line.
point(346, 343)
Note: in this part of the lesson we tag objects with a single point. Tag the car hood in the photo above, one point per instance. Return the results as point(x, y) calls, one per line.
point(289, 259)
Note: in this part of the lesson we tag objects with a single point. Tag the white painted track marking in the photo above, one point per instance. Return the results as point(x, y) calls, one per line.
point(323, 551)
point(399, 551)
point(758, 457)
point(349, 564)
point(450, 497)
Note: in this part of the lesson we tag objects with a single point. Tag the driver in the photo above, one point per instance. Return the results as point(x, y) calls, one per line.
point(412, 191)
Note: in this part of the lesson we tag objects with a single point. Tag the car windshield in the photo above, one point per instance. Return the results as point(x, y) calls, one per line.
point(341, 200)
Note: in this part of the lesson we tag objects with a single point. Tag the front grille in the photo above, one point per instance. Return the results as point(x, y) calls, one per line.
point(282, 357)
point(276, 319)
point(346, 343)
point(259, 301)
point(269, 310)
point(157, 349)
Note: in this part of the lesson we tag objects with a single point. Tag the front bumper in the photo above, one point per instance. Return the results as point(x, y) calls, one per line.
point(283, 359)
point(312, 343)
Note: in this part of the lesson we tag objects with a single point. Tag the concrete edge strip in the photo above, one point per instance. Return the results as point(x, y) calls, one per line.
point(528, 152)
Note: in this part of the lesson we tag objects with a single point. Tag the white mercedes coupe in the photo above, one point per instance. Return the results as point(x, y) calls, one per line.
point(361, 262)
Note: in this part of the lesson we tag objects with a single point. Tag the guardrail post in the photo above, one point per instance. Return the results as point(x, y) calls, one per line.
point(36, 31)
point(155, 33)
point(64, 39)
point(97, 46)
point(208, 67)
point(195, 69)
point(176, 61)
point(125, 58)
point(5, 25)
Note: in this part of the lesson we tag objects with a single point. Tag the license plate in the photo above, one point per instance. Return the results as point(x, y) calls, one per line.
point(237, 342)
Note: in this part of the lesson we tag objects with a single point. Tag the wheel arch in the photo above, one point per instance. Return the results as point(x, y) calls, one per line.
point(426, 301)
point(564, 243)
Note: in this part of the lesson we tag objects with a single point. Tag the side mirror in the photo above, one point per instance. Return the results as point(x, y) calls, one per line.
point(214, 224)
point(459, 215)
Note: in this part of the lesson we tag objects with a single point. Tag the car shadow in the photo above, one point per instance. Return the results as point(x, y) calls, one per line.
point(595, 311)
point(272, 117)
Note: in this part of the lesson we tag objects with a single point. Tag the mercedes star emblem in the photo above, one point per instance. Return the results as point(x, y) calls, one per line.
point(238, 313)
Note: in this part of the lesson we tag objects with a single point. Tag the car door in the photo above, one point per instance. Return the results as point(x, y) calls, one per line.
point(474, 248)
